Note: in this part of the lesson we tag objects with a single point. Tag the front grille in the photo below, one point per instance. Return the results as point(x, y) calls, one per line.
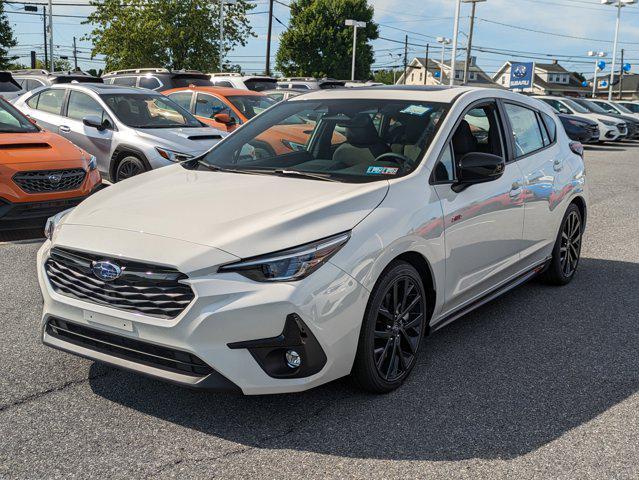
point(131, 349)
point(148, 289)
point(623, 129)
point(41, 181)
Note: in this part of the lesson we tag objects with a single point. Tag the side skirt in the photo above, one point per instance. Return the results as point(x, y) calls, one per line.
point(491, 295)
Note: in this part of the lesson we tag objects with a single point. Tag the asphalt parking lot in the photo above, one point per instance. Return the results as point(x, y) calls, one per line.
point(541, 383)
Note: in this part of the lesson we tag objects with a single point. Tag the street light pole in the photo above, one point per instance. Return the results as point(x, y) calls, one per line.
point(455, 35)
point(268, 38)
point(355, 24)
point(470, 37)
point(619, 4)
point(443, 41)
point(594, 78)
point(52, 68)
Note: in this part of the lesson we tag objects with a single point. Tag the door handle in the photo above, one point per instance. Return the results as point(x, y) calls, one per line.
point(515, 189)
point(65, 129)
point(557, 164)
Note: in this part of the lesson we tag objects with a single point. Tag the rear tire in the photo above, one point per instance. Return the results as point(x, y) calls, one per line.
point(392, 330)
point(567, 249)
point(128, 167)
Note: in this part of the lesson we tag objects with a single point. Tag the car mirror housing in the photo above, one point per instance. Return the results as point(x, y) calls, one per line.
point(478, 167)
point(95, 122)
point(224, 118)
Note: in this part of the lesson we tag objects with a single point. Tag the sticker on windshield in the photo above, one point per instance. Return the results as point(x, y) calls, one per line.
point(416, 110)
point(382, 171)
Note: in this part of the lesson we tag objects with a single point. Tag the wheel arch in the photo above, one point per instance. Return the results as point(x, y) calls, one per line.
point(120, 152)
point(424, 268)
point(581, 205)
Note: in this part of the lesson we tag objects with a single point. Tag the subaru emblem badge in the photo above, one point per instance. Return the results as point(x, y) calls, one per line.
point(55, 178)
point(105, 270)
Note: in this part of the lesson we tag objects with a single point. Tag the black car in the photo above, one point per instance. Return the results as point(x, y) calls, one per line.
point(580, 129)
point(30, 79)
point(631, 122)
point(159, 79)
point(9, 88)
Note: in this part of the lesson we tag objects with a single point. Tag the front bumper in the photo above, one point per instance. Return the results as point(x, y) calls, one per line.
point(226, 324)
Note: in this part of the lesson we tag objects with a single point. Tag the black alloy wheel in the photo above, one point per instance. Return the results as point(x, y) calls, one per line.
point(129, 167)
point(392, 331)
point(567, 250)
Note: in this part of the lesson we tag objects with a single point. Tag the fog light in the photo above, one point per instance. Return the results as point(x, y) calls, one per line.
point(293, 359)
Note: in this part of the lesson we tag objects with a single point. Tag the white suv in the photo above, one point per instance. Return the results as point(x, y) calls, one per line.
point(610, 128)
point(392, 212)
point(257, 83)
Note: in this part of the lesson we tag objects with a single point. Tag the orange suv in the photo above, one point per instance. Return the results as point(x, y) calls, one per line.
point(41, 173)
point(227, 108)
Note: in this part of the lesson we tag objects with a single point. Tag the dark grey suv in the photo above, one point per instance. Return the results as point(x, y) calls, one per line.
point(32, 79)
point(158, 79)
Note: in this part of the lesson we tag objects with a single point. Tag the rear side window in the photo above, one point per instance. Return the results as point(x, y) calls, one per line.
point(51, 100)
point(150, 82)
point(183, 99)
point(525, 129)
point(551, 126)
point(33, 101)
point(125, 81)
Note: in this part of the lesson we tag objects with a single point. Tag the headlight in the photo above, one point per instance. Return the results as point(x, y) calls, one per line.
point(172, 155)
point(610, 123)
point(93, 163)
point(53, 222)
point(289, 265)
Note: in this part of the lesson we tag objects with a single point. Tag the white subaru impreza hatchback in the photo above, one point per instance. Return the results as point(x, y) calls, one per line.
point(361, 221)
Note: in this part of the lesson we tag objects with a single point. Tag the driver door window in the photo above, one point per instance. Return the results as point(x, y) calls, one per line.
point(208, 106)
point(81, 105)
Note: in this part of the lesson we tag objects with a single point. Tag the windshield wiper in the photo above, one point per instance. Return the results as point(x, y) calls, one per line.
point(314, 176)
point(216, 168)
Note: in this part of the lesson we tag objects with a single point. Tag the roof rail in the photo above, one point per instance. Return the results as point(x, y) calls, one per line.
point(298, 79)
point(138, 70)
point(38, 71)
point(225, 74)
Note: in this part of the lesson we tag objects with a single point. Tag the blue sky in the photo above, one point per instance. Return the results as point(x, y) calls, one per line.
point(506, 29)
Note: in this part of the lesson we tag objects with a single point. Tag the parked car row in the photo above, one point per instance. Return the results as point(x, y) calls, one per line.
point(614, 122)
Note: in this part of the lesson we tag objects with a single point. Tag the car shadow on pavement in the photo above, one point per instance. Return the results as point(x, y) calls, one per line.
point(501, 382)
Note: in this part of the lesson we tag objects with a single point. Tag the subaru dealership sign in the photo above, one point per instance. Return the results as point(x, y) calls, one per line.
point(521, 75)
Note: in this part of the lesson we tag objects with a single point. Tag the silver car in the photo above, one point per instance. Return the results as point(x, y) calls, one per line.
point(129, 130)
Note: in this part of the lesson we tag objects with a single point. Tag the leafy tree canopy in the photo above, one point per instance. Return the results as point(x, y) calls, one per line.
point(385, 76)
point(7, 39)
point(317, 43)
point(174, 34)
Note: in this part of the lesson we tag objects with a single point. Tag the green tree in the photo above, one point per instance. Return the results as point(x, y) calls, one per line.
point(385, 76)
point(7, 39)
point(165, 33)
point(318, 43)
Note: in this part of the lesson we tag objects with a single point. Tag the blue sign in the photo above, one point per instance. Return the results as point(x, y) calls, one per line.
point(627, 67)
point(584, 83)
point(601, 65)
point(603, 84)
point(437, 74)
point(521, 75)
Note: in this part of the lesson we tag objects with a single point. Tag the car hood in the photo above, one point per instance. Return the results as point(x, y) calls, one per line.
point(38, 147)
point(242, 214)
point(194, 141)
point(599, 116)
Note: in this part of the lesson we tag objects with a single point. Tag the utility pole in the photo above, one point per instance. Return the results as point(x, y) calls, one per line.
point(426, 65)
point(44, 22)
point(75, 55)
point(268, 38)
point(620, 77)
point(405, 58)
point(455, 35)
point(52, 69)
point(221, 35)
point(33, 59)
point(470, 37)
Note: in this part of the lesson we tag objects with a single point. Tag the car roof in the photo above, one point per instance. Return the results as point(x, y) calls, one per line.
point(391, 92)
point(222, 91)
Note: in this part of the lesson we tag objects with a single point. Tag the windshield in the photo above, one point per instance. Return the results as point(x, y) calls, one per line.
point(574, 105)
point(12, 121)
point(343, 140)
point(622, 108)
point(179, 82)
point(141, 110)
point(590, 106)
point(251, 105)
point(260, 84)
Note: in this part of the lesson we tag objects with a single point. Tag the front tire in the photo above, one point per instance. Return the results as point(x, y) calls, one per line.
point(567, 249)
point(128, 167)
point(392, 329)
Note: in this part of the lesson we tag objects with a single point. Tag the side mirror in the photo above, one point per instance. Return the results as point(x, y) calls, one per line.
point(96, 122)
point(478, 167)
point(224, 118)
